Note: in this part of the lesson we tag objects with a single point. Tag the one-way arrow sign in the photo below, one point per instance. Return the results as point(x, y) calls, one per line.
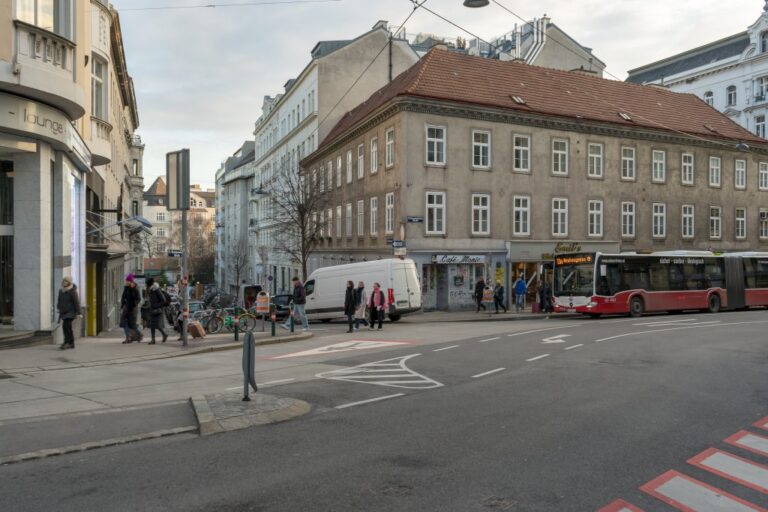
point(556, 339)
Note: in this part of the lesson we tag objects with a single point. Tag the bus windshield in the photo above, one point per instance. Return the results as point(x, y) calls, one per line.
point(574, 275)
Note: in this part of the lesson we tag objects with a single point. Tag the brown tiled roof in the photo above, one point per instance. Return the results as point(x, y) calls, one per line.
point(157, 188)
point(448, 76)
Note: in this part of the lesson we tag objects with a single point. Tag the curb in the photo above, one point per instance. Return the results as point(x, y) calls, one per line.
point(208, 423)
point(492, 317)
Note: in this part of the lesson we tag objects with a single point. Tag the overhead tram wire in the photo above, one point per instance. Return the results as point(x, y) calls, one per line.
point(234, 4)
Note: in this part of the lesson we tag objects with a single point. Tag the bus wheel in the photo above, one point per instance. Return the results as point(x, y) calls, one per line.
point(713, 304)
point(394, 318)
point(594, 315)
point(636, 307)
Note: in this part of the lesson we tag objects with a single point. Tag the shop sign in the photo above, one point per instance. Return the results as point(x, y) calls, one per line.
point(561, 248)
point(457, 259)
point(415, 220)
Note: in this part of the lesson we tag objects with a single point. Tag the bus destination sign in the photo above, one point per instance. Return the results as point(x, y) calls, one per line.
point(576, 259)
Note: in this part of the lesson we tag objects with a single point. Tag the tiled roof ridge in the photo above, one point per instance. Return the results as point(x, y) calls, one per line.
point(426, 61)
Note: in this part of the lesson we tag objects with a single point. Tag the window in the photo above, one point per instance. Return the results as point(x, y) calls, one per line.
point(714, 171)
point(99, 88)
point(374, 155)
point(480, 212)
point(389, 214)
point(160, 217)
point(160, 232)
point(595, 161)
point(435, 145)
point(559, 217)
point(374, 214)
point(436, 213)
point(730, 96)
point(659, 227)
point(628, 163)
point(761, 88)
point(330, 222)
point(688, 221)
point(764, 42)
point(560, 157)
point(321, 227)
point(687, 172)
point(762, 177)
point(522, 150)
point(330, 174)
point(349, 166)
point(715, 222)
point(360, 218)
point(321, 179)
point(741, 223)
point(709, 98)
point(314, 178)
point(338, 171)
point(52, 15)
point(628, 219)
point(740, 174)
point(595, 218)
point(389, 157)
point(659, 173)
point(760, 126)
point(481, 149)
point(521, 215)
point(763, 223)
point(348, 217)
point(338, 222)
point(361, 161)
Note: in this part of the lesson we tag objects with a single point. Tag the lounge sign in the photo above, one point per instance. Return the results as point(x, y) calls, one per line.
point(458, 259)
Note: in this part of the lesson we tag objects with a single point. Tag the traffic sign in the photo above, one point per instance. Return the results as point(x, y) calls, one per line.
point(415, 220)
point(398, 243)
point(174, 254)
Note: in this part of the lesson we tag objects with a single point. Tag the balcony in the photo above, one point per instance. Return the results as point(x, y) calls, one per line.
point(44, 70)
point(100, 145)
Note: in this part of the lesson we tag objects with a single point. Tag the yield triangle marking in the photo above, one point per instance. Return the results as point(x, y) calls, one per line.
point(344, 346)
point(370, 373)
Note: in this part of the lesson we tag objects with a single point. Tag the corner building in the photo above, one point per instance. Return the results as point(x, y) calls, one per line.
point(488, 169)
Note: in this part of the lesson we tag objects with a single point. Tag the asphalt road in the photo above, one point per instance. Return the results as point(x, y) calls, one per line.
point(558, 416)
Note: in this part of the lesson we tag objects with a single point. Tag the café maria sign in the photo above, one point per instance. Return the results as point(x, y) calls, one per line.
point(458, 259)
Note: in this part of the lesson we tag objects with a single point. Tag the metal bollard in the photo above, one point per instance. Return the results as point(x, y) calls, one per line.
point(249, 365)
point(293, 323)
point(273, 318)
point(237, 329)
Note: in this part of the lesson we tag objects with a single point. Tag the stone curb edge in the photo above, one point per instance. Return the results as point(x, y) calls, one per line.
point(208, 424)
point(486, 317)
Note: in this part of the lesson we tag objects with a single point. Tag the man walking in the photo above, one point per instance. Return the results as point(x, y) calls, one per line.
point(129, 303)
point(349, 304)
point(68, 305)
point(156, 304)
point(520, 288)
point(377, 305)
point(299, 303)
point(479, 289)
point(361, 302)
point(498, 296)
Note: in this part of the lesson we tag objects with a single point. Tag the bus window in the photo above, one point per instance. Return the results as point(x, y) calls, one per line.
point(658, 274)
point(636, 273)
point(713, 271)
point(694, 275)
point(677, 277)
point(755, 273)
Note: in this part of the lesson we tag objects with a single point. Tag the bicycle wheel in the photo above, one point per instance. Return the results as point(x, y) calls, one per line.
point(215, 323)
point(247, 322)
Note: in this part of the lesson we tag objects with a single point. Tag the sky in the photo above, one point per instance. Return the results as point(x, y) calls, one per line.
point(201, 73)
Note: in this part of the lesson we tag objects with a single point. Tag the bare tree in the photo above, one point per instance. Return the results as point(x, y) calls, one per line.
point(202, 246)
point(148, 245)
point(238, 255)
point(263, 252)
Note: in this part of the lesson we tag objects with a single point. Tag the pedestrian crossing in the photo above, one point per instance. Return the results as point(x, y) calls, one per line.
point(688, 494)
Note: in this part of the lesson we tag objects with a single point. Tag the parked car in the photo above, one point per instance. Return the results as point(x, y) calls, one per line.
point(282, 305)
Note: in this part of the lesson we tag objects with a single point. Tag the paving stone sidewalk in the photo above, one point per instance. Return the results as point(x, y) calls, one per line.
point(224, 412)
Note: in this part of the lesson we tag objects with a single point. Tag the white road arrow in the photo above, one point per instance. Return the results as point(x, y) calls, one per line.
point(556, 339)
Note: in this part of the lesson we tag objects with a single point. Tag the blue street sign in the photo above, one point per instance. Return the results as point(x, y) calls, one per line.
point(415, 220)
point(398, 243)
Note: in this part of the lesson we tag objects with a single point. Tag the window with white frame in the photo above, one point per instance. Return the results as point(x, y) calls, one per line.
point(659, 226)
point(435, 149)
point(595, 218)
point(740, 174)
point(314, 178)
point(714, 171)
point(160, 217)
point(99, 88)
point(761, 88)
point(160, 232)
point(659, 171)
point(762, 176)
point(389, 157)
point(760, 126)
point(764, 42)
point(687, 170)
point(559, 157)
point(709, 98)
point(339, 171)
point(481, 207)
point(741, 223)
point(435, 213)
point(330, 174)
point(715, 222)
point(361, 161)
point(374, 155)
point(360, 218)
point(730, 96)
point(56, 16)
point(349, 166)
point(321, 230)
point(522, 153)
point(374, 214)
point(481, 149)
point(321, 179)
point(521, 215)
point(627, 163)
point(763, 218)
point(628, 219)
point(595, 161)
point(339, 233)
point(348, 217)
point(330, 222)
point(559, 217)
point(688, 221)
point(389, 213)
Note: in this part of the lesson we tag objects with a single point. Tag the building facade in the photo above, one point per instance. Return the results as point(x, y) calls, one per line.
point(492, 178)
point(730, 74)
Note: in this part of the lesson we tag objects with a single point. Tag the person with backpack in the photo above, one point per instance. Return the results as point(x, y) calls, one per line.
point(157, 301)
point(129, 304)
point(68, 305)
point(349, 304)
point(377, 305)
point(479, 289)
point(498, 296)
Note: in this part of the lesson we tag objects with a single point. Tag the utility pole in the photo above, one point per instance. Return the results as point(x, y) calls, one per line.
point(177, 198)
point(184, 278)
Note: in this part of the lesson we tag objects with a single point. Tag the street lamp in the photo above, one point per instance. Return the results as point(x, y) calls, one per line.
point(475, 3)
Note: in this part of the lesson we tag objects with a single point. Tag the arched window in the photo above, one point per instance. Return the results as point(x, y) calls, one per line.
point(764, 42)
point(730, 95)
point(709, 98)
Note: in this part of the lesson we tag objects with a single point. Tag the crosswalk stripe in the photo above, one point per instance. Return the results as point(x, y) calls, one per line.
point(620, 506)
point(691, 495)
point(749, 441)
point(763, 423)
point(732, 467)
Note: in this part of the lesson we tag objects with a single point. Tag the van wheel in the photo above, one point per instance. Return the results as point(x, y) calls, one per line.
point(394, 318)
point(636, 307)
point(713, 304)
point(326, 320)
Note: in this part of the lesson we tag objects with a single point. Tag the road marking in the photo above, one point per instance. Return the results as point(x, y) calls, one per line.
point(763, 423)
point(691, 495)
point(620, 506)
point(732, 467)
point(574, 346)
point(369, 401)
point(270, 383)
point(556, 339)
point(669, 322)
point(702, 324)
point(488, 373)
point(536, 358)
point(386, 373)
point(445, 348)
point(489, 339)
point(543, 330)
point(344, 346)
point(749, 441)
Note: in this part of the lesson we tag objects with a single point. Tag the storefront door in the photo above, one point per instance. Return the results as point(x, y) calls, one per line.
point(6, 239)
point(442, 287)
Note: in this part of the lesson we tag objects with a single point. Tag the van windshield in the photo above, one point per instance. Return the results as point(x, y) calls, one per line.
point(309, 287)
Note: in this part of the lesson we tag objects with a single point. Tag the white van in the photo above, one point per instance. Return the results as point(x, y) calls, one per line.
point(398, 279)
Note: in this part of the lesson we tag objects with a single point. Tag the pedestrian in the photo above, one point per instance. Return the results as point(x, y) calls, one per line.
point(520, 288)
point(129, 304)
point(68, 305)
point(299, 303)
point(361, 302)
point(377, 305)
point(479, 288)
point(349, 304)
point(498, 296)
point(145, 307)
point(157, 302)
point(545, 294)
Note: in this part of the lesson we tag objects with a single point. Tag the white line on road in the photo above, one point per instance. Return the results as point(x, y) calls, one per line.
point(270, 383)
point(369, 401)
point(694, 326)
point(542, 356)
point(574, 346)
point(663, 322)
point(488, 373)
point(542, 330)
point(445, 348)
point(489, 339)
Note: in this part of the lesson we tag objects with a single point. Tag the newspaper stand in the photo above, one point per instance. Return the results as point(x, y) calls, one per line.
point(262, 307)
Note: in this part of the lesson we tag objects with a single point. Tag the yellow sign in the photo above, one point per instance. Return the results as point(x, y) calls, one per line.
point(573, 260)
point(262, 303)
point(487, 294)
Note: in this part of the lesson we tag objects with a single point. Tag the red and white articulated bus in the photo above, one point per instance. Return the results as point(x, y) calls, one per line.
point(605, 284)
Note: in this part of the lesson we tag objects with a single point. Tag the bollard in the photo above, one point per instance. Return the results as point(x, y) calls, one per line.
point(273, 318)
point(237, 329)
point(293, 323)
point(249, 365)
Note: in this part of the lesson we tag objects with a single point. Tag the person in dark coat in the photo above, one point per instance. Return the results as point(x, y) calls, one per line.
point(156, 305)
point(498, 296)
point(349, 304)
point(479, 288)
point(68, 305)
point(377, 305)
point(129, 305)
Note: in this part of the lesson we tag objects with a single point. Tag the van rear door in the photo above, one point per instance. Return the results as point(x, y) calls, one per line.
point(414, 288)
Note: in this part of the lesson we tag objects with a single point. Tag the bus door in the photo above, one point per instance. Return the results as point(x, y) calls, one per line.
point(734, 282)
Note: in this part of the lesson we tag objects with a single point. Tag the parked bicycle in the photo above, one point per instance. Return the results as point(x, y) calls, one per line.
point(218, 320)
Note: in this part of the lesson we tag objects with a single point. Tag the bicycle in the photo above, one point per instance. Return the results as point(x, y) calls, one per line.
point(215, 322)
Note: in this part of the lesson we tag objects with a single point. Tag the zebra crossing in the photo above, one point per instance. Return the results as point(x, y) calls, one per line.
point(388, 372)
